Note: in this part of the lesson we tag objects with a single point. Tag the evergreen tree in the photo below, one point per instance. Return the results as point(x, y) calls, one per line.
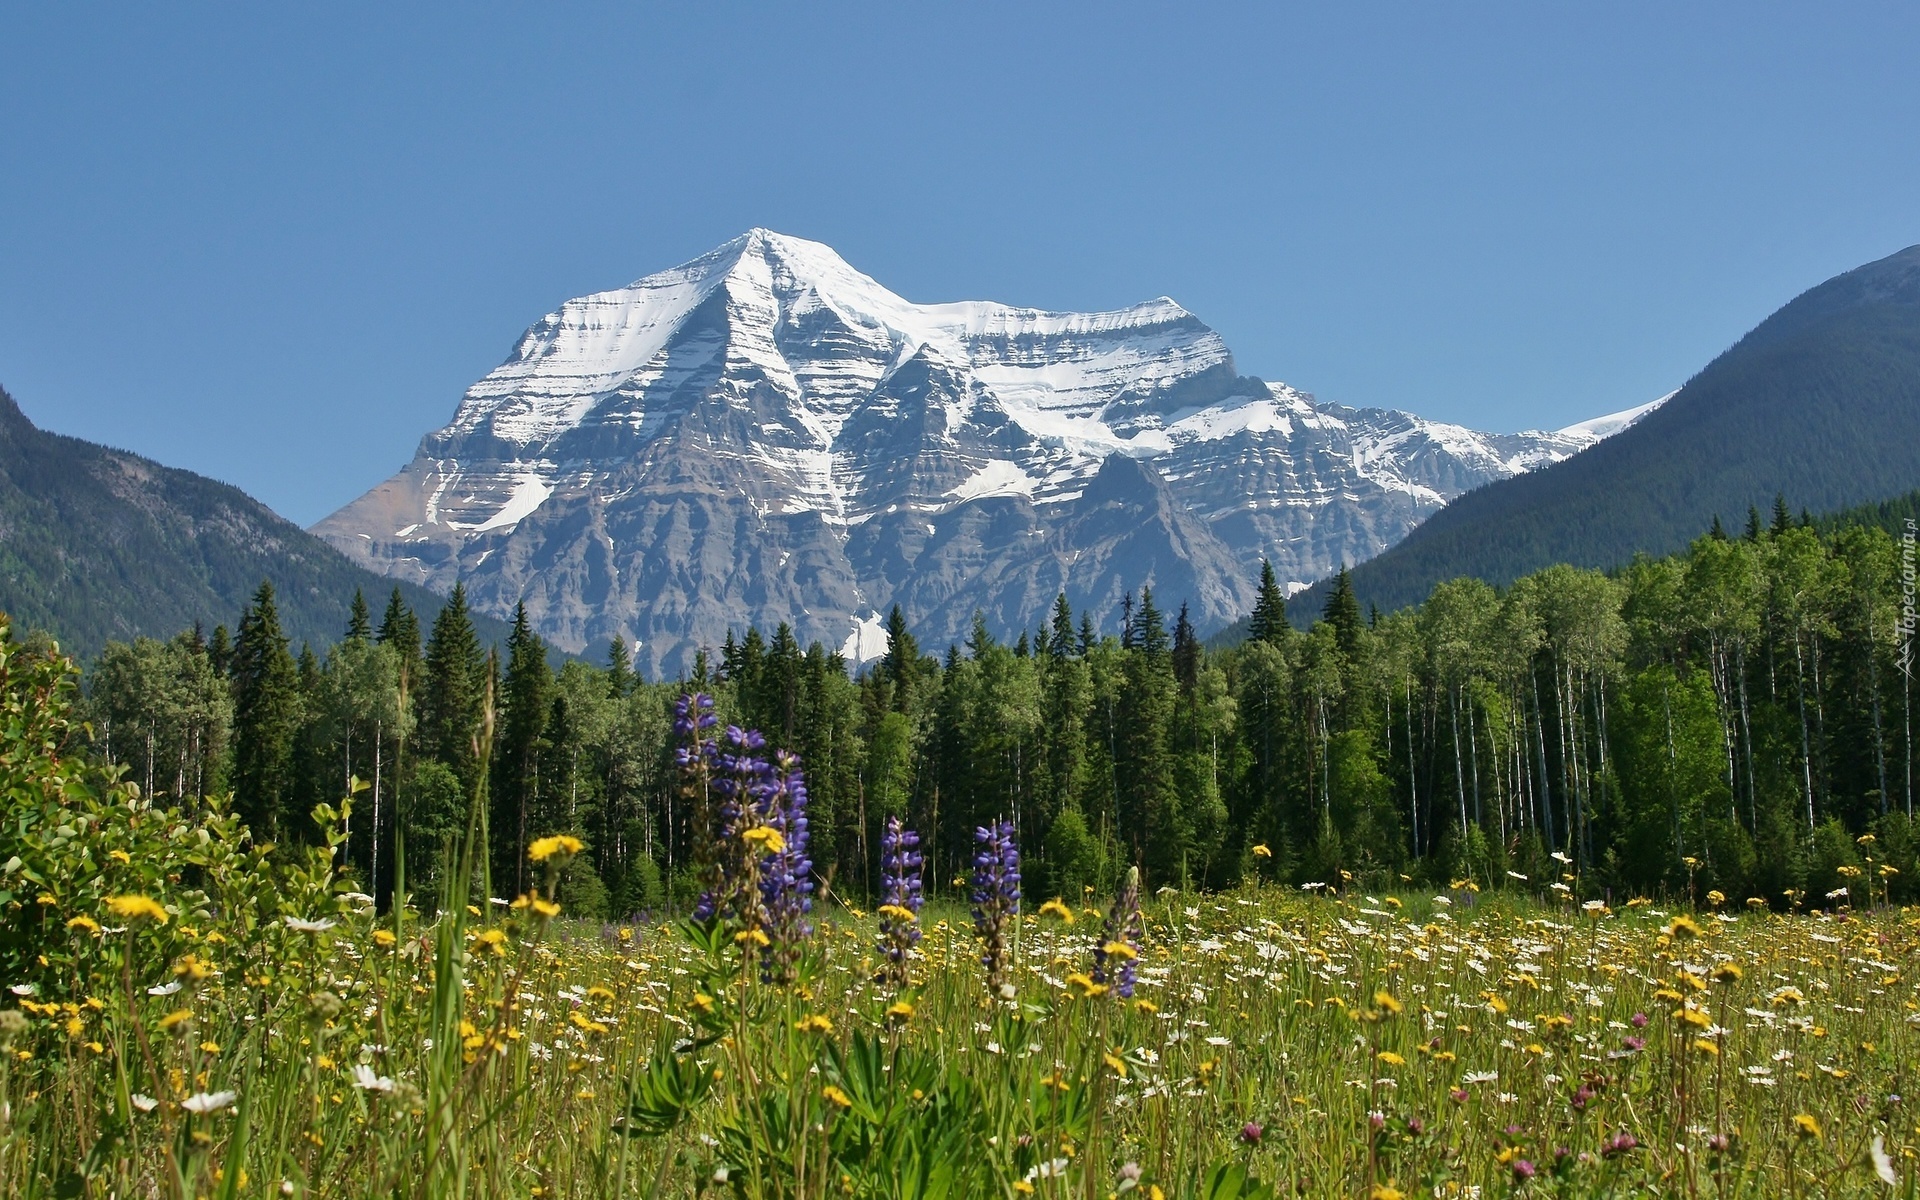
point(359, 626)
point(620, 679)
point(1718, 532)
point(526, 700)
point(400, 628)
point(1186, 652)
point(1269, 621)
point(1753, 523)
point(453, 690)
point(902, 660)
point(266, 720)
point(220, 652)
point(1342, 611)
point(1060, 644)
point(1782, 519)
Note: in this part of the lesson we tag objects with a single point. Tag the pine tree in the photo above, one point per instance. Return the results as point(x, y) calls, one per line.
point(452, 692)
point(1060, 645)
point(1719, 532)
point(266, 719)
point(526, 701)
point(1343, 613)
point(1753, 523)
point(359, 626)
point(400, 628)
point(1782, 519)
point(1126, 622)
point(1088, 638)
point(902, 660)
point(619, 669)
point(1186, 652)
point(220, 652)
point(1269, 622)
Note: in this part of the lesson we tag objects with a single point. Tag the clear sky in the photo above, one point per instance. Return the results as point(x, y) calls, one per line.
point(273, 243)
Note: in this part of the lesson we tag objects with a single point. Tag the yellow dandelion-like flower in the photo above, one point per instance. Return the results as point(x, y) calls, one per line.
point(120, 856)
point(560, 844)
point(1384, 1001)
point(900, 1010)
point(814, 1023)
point(834, 1096)
point(546, 908)
point(767, 838)
point(1727, 973)
point(1120, 950)
point(898, 913)
point(1684, 927)
point(1716, 898)
point(1055, 907)
point(757, 936)
point(384, 938)
point(1391, 1059)
point(1807, 1125)
point(1114, 1064)
point(86, 923)
point(1261, 851)
point(175, 1017)
point(131, 907)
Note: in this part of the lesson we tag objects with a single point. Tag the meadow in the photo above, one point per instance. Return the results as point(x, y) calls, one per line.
point(1324, 1044)
point(192, 1013)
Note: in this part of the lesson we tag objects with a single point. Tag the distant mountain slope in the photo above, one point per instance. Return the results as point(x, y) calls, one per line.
point(765, 434)
point(1820, 403)
point(98, 545)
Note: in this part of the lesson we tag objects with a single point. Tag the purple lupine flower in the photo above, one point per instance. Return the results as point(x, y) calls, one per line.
point(900, 890)
point(786, 875)
point(996, 900)
point(1116, 969)
point(741, 780)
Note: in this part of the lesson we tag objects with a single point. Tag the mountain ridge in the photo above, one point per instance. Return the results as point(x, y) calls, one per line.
point(767, 403)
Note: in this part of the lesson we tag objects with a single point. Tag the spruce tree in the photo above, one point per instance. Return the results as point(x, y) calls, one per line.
point(220, 652)
point(1060, 645)
point(1782, 519)
point(619, 669)
point(1186, 652)
point(1269, 622)
point(902, 660)
point(452, 691)
point(1343, 613)
point(359, 621)
point(266, 719)
point(400, 628)
point(526, 700)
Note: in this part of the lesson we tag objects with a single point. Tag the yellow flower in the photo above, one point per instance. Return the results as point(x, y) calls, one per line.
point(1727, 973)
point(1496, 1003)
point(1683, 927)
point(561, 844)
point(1716, 898)
point(900, 1010)
point(1083, 981)
point(1384, 1000)
point(120, 856)
point(1114, 1064)
point(814, 1023)
point(703, 1002)
point(897, 912)
point(384, 938)
point(546, 908)
point(1382, 1191)
point(137, 906)
point(175, 1017)
point(1807, 1125)
point(834, 1096)
point(1706, 1047)
point(84, 922)
point(1261, 851)
point(1023, 1187)
point(767, 838)
point(586, 1024)
point(1120, 950)
point(1054, 907)
point(757, 936)
point(1391, 1059)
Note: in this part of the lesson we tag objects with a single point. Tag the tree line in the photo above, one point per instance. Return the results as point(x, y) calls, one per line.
point(1736, 718)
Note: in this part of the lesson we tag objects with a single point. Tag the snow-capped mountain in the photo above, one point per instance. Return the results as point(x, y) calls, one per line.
point(765, 434)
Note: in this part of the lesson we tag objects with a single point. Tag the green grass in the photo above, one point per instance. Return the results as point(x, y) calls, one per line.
point(1395, 1045)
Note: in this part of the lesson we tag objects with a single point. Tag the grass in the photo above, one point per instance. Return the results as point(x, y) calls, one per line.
point(1325, 1044)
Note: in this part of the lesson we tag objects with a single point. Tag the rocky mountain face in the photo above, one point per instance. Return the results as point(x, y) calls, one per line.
point(765, 434)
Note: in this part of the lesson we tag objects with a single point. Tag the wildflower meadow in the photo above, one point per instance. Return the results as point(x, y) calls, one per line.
point(193, 1013)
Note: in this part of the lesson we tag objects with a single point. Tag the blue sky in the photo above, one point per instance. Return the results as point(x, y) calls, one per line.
point(274, 243)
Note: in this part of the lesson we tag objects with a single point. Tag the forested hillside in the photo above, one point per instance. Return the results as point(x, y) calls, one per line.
point(97, 544)
point(1820, 402)
point(1731, 718)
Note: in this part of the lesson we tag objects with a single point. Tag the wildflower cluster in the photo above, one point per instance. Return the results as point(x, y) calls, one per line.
point(900, 900)
point(1116, 955)
point(996, 900)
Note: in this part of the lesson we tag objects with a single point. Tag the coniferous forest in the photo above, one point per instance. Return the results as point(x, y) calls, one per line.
point(1734, 718)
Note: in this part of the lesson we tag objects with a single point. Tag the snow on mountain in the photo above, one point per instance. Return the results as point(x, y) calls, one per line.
point(1599, 428)
point(766, 434)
